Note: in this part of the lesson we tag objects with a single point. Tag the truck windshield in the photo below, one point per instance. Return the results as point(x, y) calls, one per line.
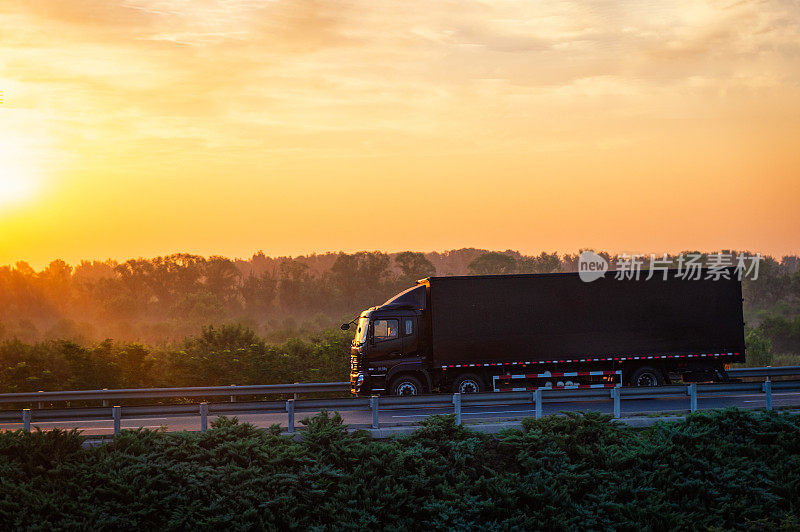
point(361, 330)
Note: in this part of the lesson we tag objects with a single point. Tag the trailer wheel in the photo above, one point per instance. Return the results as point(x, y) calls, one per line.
point(468, 383)
point(647, 376)
point(406, 385)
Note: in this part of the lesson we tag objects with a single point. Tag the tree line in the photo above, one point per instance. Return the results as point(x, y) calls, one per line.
point(167, 298)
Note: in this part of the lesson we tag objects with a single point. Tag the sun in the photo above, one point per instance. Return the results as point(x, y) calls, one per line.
point(19, 179)
point(14, 189)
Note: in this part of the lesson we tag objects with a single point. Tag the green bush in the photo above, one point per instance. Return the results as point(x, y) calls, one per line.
point(218, 357)
point(759, 348)
point(724, 469)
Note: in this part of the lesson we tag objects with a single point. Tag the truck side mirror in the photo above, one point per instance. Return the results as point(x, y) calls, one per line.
point(345, 326)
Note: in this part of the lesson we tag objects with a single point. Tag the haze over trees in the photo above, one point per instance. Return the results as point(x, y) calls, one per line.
point(165, 299)
point(168, 298)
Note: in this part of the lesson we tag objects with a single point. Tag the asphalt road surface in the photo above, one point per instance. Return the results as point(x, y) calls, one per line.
point(470, 414)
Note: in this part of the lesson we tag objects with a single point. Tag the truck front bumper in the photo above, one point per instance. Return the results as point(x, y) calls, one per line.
point(357, 383)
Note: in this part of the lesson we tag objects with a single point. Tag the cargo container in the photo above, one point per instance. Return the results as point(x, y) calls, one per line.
point(472, 334)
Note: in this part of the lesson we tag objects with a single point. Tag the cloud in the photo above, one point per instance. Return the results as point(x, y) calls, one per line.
point(90, 13)
point(295, 70)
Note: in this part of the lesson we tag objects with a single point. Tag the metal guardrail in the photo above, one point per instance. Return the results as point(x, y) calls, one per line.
point(692, 392)
point(376, 403)
point(267, 389)
point(777, 371)
point(159, 393)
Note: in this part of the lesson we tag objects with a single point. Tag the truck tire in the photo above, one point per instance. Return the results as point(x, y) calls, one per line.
point(646, 376)
point(406, 385)
point(468, 383)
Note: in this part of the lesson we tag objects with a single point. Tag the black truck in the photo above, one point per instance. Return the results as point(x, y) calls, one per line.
point(472, 334)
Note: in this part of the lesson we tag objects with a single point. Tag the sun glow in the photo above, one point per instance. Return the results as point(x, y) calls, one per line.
point(19, 179)
point(13, 190)
point(145, 127)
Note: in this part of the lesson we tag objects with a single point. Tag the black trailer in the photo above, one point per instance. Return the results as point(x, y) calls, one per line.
point(522, 332)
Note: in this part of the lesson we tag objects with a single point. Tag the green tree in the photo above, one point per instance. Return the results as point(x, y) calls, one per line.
point(136, 365)
point(224, 337)
point(221, 278)
point(782, 332)
point(493, 263)
point(258, 293)
point(759, 348)
point(543, 263)
point(413, 265)
point(295, 279)
point(199, 307)
point(361, 279)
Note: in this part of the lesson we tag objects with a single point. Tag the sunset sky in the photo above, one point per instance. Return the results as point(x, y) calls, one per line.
point(143, 127)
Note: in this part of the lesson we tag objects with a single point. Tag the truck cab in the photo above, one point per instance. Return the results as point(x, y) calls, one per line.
point(387, 343)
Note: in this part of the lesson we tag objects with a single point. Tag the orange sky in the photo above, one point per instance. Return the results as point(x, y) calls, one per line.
point(142, 127)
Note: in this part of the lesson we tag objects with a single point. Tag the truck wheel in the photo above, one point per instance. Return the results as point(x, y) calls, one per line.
point(468, 383)
point(647, 376)
point(406, 385)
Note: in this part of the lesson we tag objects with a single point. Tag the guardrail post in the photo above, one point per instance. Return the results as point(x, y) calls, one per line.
point(768, 394)
point(117, 415)
point(41, 404)
point(537, 398)
point(615, 395)
point(457, 404)
point(373, 404)
point(105, 401)
point(233, 397)
point(295, 393)
point(26, 419)
point(693, 397)
point(203, 416)
point(290, 410)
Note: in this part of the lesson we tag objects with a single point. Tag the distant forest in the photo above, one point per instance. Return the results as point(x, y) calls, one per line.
point(162, 300)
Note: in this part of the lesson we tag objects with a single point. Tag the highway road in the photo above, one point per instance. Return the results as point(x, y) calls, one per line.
point(470, 414)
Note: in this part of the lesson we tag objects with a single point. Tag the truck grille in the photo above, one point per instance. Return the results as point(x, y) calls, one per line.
point(355, 368)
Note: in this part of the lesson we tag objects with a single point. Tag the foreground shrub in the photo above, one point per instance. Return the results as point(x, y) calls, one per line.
point(724, 469)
